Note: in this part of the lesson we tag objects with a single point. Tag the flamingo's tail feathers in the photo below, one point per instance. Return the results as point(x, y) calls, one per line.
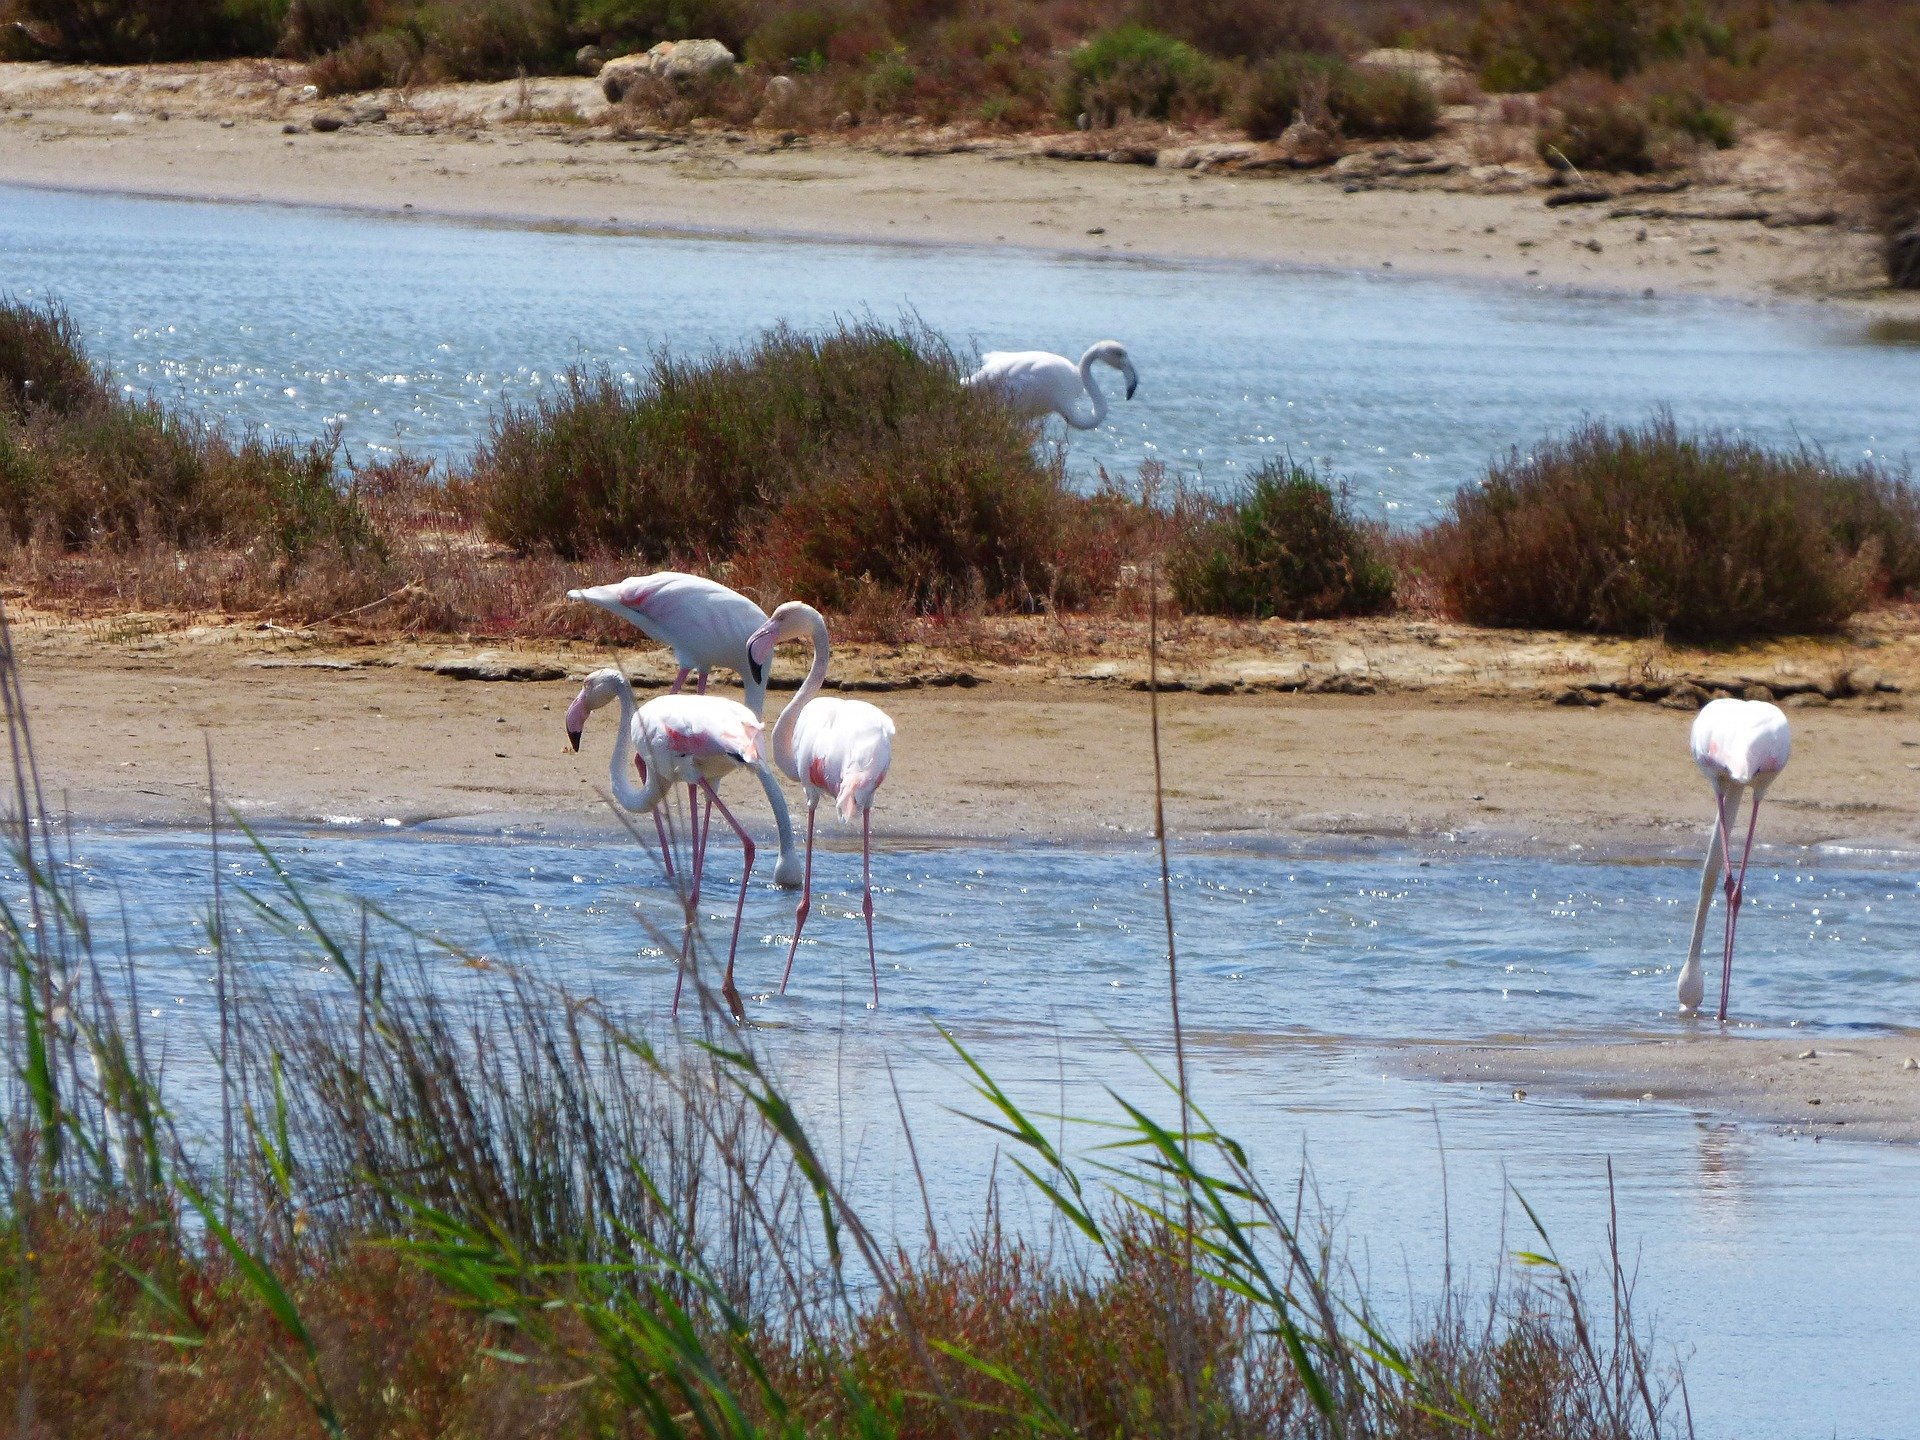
point(857, 786)
point(748, 752)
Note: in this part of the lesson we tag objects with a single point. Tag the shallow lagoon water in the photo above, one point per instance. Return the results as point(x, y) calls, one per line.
point(1300, 973)
point(411, 332)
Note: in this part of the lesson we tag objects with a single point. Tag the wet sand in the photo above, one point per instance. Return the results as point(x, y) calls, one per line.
point(1449, 749)
point(242, 132)
point(1860, 1089)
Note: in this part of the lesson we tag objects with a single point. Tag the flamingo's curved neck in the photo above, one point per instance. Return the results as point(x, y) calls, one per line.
point(783, 755)
point(620, 770)
point(1094, 394)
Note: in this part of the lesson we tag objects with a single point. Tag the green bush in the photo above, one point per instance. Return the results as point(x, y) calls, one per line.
point(819, 460)
point(1281, 90)
point(1366, 101)
point(1599, 134)
point(1375, 102)
point(1650, 532)
point(1131, 70)
point(1691, 114)
point(1287, 545)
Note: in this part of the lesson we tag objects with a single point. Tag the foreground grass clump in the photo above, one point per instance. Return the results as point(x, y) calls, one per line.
point(1288, 545)
point(438, 1196)
point(1649, 531)
point(823, 462)
point(85, 467)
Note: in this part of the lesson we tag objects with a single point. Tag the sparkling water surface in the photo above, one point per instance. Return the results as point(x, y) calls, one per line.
point(410, 333)
point(1299, 977)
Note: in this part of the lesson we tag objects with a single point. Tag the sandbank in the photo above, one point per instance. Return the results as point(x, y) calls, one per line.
point(1751, 225)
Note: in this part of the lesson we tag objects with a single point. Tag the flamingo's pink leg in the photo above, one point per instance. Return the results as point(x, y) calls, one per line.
point(666, 847)
point(740, 906)
point(679, 680)
point(806, 899)
point(703, 684)
point(1737, 894)
point(866, 880)
point(697, 840)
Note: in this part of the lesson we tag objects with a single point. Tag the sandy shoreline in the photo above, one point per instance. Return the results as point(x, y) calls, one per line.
point(177, 131)
point(1439, 736)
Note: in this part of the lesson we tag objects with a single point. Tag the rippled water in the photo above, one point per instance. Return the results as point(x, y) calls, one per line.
point(1297, 971)
point(409, 332)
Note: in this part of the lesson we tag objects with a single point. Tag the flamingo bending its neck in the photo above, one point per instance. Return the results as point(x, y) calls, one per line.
point(691, 739)
point(1741, 746)
point(706, 625)
point(1038, 382)
point(837, 749)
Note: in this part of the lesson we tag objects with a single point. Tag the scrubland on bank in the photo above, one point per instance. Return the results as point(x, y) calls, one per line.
point(852, 469)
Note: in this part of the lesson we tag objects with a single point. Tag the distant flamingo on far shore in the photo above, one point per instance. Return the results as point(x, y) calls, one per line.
point(838, 749)
point(1741, 746)
point(696, 739)
point(706, 625)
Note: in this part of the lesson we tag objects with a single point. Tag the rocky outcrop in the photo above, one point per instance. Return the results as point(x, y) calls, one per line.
point(677, 61)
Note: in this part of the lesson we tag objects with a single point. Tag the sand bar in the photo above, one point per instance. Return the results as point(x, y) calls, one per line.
point(242, 132)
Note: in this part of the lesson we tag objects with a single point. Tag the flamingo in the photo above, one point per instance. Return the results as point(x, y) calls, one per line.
point(1035, 382)
point(697, 739)
point(1740, 746)
point(835, 748)
point(706, 625)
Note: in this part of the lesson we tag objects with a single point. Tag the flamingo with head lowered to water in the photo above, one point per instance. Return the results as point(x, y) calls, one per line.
point(1741, 746)
point(695, 739)
point(706, 625)
point(1038, 382)
point(836, 749)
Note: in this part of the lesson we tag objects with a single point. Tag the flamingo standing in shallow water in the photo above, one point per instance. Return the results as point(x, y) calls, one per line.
point(1740, 746)
point(1036, 382)
point(697, 739)
point(839, 749)
point(706, 625)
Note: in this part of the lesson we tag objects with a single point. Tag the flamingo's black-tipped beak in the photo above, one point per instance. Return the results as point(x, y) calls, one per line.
point(573, 739)
point(756, 670)
point(1133, 384)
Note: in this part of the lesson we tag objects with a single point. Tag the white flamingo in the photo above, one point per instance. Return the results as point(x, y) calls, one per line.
point(706, 625)
point(1740, 746)
point(1036, 382)
point(839, 749)
point(696, 739)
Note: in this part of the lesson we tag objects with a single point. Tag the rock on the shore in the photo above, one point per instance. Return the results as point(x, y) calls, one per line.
point(674, 60)
point(1440, 72)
